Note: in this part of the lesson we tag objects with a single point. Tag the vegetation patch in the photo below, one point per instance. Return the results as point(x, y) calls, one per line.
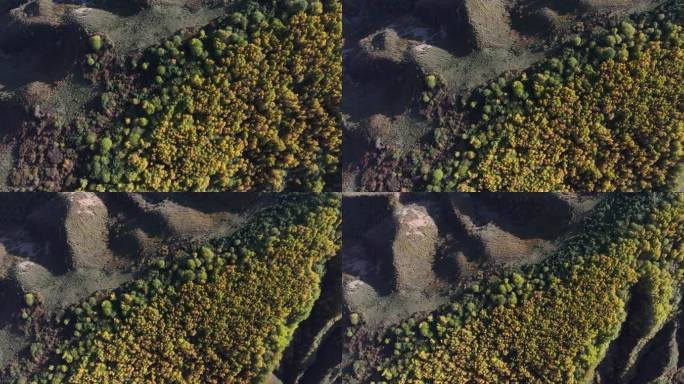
point(604, 114)
point(553, 321)
point(248, 102)
point(222, 312)
point(239, 96)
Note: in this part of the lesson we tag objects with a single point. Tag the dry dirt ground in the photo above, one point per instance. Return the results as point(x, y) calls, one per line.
point(391, 46)
point(64, 247)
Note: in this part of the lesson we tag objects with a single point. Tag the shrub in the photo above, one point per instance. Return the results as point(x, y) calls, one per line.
point(107, 308)
point(196, 48)
point(437, 175)
point(95, 42)
point(627, 29)
point(430, 81)
point(576, 41)
point(105, 144)
point(518, 89)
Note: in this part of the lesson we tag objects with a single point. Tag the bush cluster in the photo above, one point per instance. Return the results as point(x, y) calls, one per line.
point(248, 102)
point(219, 313)
point(604, 114)
point(551, 322)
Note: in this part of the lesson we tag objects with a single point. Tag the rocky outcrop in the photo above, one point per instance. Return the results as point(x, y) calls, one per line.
point(76, 226)
point(413, 248)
